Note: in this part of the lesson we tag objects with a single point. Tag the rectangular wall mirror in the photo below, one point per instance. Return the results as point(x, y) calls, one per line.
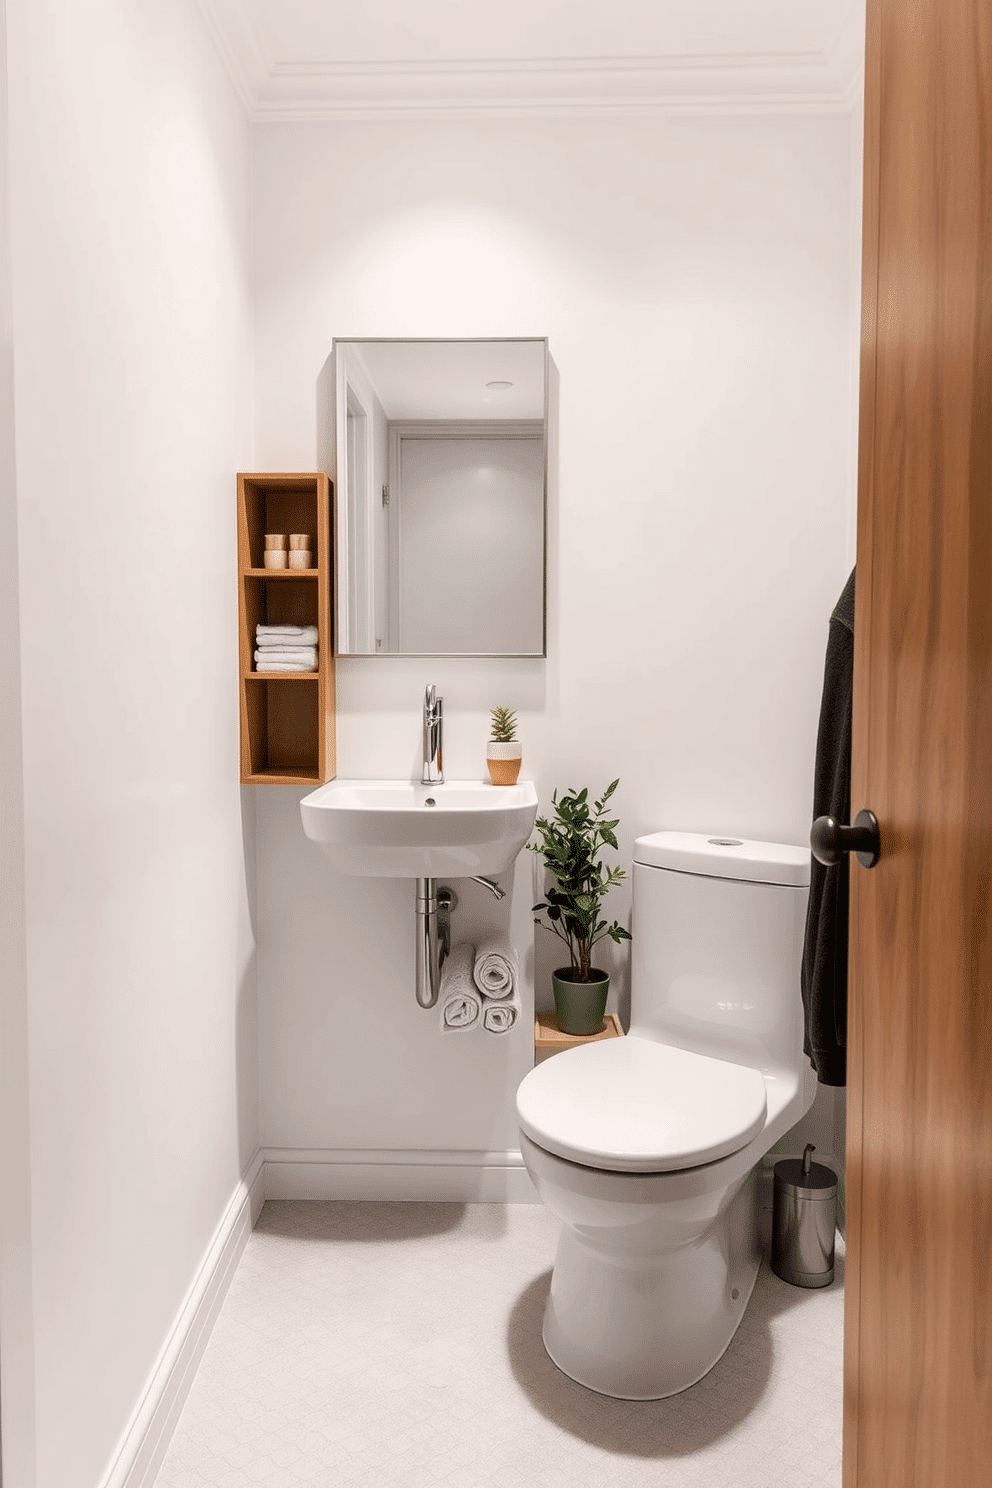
point(441, 494)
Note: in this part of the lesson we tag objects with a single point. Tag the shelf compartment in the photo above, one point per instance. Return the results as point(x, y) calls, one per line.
point(271, 602)
point(280, 503)
point(283, 727)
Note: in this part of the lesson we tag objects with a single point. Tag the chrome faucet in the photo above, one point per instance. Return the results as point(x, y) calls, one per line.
point(433, 773)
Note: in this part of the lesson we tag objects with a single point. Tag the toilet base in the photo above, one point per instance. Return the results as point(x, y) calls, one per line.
point(643, 1328)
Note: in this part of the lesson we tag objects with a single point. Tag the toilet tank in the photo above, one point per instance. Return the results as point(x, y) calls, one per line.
point(718, 925)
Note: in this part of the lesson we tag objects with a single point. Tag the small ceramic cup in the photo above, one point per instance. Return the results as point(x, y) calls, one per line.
point(275, 542)
point(299, 558)
point(275, 557)
point(299, 541)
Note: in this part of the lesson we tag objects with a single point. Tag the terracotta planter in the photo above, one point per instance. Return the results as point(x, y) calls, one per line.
point(580, 1005)
point(504, 761)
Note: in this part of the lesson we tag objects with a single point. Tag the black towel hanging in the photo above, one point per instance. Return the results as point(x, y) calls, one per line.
point(824, 970)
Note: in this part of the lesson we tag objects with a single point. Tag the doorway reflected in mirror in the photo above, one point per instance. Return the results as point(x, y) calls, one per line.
point(440, 465)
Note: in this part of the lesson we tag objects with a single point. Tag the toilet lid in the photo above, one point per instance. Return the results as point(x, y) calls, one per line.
point(630, 1105)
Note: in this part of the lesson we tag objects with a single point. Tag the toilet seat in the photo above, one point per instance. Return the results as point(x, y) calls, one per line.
point(631, 1105)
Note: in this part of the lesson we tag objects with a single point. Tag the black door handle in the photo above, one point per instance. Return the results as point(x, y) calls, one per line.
point(830, 841)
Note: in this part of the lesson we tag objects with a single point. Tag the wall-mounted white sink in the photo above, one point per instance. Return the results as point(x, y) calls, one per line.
point(394, 829)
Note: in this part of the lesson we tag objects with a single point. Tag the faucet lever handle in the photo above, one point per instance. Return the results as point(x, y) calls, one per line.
point(433, 705)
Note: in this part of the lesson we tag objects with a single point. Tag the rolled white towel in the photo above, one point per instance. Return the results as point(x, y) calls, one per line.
point(461, 1004)
point(496, 968)
point(293, 635)
point(303, 658)
point(499, 1015)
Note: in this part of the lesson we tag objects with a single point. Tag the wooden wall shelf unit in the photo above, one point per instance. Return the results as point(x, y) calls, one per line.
point(549, 1039)
point(287, 718)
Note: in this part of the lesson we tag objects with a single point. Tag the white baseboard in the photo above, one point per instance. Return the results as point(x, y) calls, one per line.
point(147, 1436)
point(425, 1175)
point(292, 1173)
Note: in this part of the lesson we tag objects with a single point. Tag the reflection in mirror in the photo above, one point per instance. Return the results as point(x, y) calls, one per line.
point(440, 497)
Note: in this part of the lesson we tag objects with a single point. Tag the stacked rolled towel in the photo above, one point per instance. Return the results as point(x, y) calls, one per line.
point(461, 1003)
point(496, 973)
point(285, 648)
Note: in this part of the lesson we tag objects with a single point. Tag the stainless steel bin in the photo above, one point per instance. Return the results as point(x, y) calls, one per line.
point(803, 1221)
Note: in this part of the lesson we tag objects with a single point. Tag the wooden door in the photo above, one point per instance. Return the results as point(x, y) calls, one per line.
point(918, 1327)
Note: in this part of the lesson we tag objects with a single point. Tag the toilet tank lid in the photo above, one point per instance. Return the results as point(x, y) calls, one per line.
point(719, 855)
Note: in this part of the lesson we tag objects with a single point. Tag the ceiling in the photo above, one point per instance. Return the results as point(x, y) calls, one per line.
point(453, 379)
point(375, 59)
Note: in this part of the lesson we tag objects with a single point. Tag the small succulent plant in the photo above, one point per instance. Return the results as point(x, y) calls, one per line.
point(504, 726)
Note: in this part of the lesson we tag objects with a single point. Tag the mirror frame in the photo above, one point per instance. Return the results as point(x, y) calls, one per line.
point(338, 465)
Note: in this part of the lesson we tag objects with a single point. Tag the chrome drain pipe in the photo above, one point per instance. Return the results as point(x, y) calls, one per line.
point(434, 908)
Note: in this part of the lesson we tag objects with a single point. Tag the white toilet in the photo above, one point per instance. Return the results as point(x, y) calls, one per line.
point(645, 1147)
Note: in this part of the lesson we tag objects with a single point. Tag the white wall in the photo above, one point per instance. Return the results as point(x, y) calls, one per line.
point(16, 1295)
point(130, 190)
point(697, 283)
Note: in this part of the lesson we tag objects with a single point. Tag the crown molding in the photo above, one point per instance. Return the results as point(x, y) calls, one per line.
point(237, 34)
point(551, 86)
point(845, 59)
point(817, 79)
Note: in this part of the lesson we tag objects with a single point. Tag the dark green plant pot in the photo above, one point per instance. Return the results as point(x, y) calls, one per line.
point(580, 1005)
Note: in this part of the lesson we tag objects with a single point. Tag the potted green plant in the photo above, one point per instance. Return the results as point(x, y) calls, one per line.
point(570, 842)
point(503, 752)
